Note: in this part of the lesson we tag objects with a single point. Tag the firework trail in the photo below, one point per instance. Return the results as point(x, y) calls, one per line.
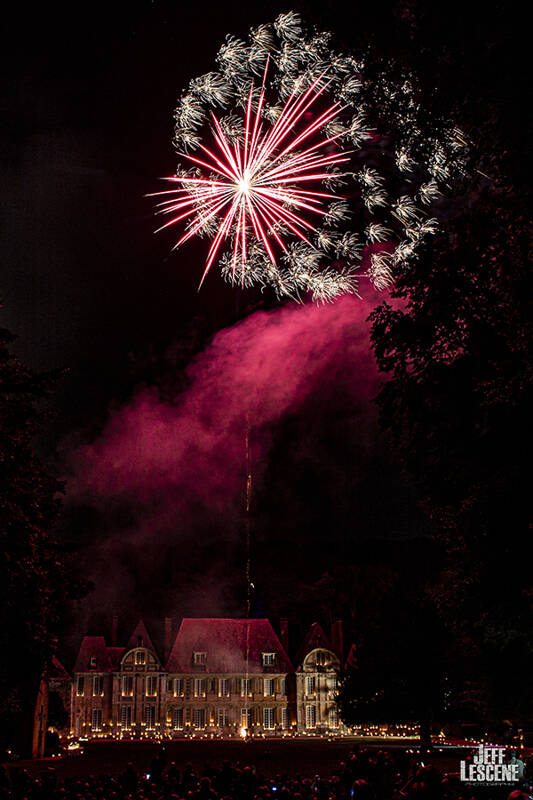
point(304, 172)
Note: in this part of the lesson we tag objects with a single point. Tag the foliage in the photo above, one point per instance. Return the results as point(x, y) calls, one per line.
point(395, 671)
point(457, 348)
point(36, 583)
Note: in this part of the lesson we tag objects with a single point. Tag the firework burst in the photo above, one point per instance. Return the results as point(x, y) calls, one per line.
point(257, 184)
point(289, 175)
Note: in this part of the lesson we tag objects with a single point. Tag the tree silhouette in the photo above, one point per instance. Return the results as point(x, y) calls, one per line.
point(35, 584)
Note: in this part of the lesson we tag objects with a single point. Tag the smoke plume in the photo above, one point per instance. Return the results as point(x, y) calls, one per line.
point(166, 480)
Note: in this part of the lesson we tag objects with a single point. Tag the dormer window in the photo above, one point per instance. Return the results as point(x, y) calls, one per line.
point(140, 657)
point(268, 659)
point(321, 658)
point(93, 662)
point(199, 659)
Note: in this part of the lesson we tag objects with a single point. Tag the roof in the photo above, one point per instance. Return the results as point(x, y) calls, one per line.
point(226, 641)
point(107, 658)
point(315, 638)
point(140, 638)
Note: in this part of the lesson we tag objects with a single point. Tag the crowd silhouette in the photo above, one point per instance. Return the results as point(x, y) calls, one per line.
point(364, 775)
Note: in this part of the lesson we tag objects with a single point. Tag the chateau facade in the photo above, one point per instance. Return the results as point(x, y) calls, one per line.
point(219, 676)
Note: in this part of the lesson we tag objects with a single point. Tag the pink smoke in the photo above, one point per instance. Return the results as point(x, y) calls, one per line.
point(260, 369)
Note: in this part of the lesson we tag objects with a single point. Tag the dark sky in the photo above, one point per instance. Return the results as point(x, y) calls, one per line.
point(88, 98)
point(89, 91)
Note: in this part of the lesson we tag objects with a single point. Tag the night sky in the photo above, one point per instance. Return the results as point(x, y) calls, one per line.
point(88, 288)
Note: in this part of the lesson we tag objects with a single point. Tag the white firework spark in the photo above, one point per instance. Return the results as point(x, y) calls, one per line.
point(429, 192)
point(380, 270)
point(405, 209)
point(338, 212)
point(375, 199)
point(326, 217)
point(213, 89)
point(349, 247)
point(289, 26)
point(189, 112)
point(404, 161)
point(377, 232)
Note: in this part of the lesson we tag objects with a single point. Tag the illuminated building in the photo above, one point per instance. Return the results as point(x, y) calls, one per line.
point(316, 680)
point(223, 677)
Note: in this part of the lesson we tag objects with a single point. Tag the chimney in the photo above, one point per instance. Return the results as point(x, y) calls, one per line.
point(284, 633)
point(168, 637)
point(114, 630)
point(337, 639)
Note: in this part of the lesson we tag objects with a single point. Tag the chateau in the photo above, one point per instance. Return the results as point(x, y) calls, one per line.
point(217, 676)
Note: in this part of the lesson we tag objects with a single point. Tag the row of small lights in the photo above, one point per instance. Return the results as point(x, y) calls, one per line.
point(245, 734)
point(255, 729)
point(203, 694)
point(368, 730)
point(398, 731)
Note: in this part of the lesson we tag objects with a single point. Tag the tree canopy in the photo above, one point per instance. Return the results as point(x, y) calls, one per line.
point(36, 583)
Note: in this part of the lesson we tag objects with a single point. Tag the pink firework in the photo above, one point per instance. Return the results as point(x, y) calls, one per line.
point(255, 187)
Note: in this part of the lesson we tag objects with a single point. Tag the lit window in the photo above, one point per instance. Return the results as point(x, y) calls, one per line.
point(310, 684)
point(199, 687)
point(284, 718)
point(321, 658)
point(268, 718)
point(269, 687)
point(80, 687)
point(269, 659)
point(149, 717)
point(246, 717)
point(199, 659)
point(333, 718)
point(96, 723)
point(223, 687)
point(140, 657)
point(125, 717)
point(98, 686)
point(151, 686)
point(178, 687)
point(177, 719)
point(331, 683)
point(310, 716)
point(223, 719)
point(127, 686)
point(246, 687)
point(199, 718)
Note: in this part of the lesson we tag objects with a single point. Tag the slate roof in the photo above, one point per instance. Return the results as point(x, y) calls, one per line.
point(140, 638)
point(107, 658)
point(315, 638)
point(226, 641)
